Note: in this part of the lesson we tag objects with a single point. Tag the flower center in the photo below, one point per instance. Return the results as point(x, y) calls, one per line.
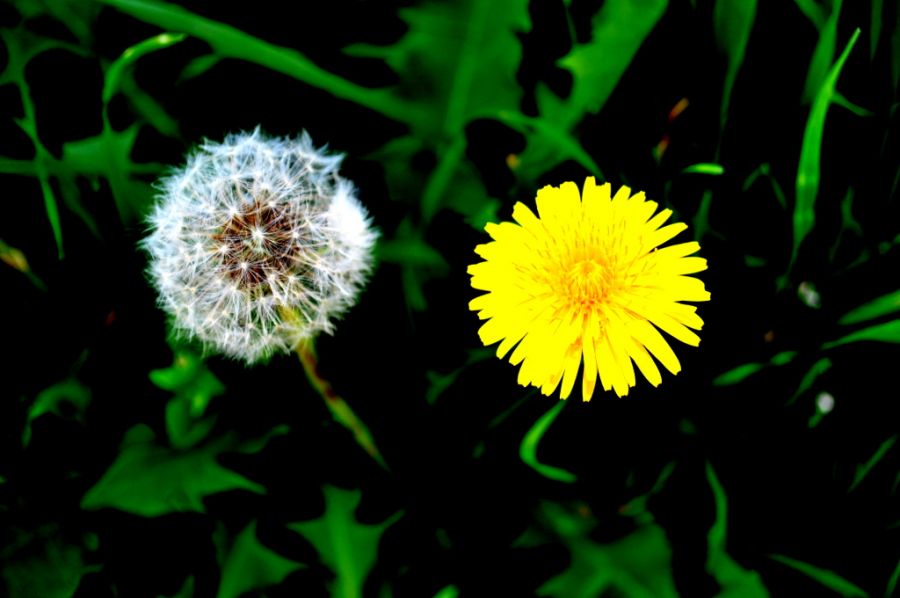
point(261, 245)
point(587, 283)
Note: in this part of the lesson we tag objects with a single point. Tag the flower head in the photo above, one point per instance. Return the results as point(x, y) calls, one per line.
point(586, 282)
point(257, 244)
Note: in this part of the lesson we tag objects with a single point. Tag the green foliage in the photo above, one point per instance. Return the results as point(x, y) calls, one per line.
point(194, 386)
point(346, 546)
point(736, 582)
point(882, 306)
point(249, 565)
point(618, 31)
point(732, 23)
point(52, 399)
point(44, 565)
point(637, 566)
point(150, 480)
point(826, 578)
point(529, 446)
point(807, 186)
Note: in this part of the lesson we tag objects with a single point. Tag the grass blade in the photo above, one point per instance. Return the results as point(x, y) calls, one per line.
point(807, 185)
point(825, 577)
point(234, 43)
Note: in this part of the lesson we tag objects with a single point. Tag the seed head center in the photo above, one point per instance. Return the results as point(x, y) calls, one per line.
point(259, 244)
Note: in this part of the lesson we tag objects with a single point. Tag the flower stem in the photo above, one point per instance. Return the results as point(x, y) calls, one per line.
point(336, 404)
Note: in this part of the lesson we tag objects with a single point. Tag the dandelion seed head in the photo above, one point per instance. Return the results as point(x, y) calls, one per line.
point(257, 244)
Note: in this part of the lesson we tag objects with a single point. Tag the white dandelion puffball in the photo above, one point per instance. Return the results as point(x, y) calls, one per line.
point(257, 244)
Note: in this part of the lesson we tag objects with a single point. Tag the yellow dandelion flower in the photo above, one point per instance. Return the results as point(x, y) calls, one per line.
point(585, 281)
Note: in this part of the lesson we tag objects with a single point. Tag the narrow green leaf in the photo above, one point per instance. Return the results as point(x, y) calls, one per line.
point(827, 578)
point(249, 565)
point(529, 446)
point(349, 548)
point(738, 374)
point(875, 27)
point(818, 368)
point(882, 306)
point(889, 332)
point(231, 42)
point(813, 12)
point(863, 469)
point(705, 168)
point(116, 70)
point(715, 539)
point(823, 55)
point(447, 592)
point(892, 582)
point(807, 186)
point(733, 21)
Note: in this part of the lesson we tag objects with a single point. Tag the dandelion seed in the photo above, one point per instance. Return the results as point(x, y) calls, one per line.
point(258, 244)
point(586, 282)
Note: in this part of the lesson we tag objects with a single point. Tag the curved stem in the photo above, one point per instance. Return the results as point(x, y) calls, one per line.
point(336, 404)
point(529, 446)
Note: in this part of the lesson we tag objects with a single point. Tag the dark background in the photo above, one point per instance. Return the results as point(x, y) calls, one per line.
point(456, 474)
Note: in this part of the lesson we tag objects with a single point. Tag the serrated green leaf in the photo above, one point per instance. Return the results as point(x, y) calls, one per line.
point(637, 566)
point(618, 31)
point(249, 565)
point(349, 548)
point(194, 387)
point(531, 440)
point(808, 171)
point(826, 578)
point(458, 60)
point(151, 480)
point(882, 306)
point(108, 155)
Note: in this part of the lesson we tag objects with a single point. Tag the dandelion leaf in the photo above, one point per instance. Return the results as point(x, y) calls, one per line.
point(43, 566)
point(194, 386)
point(459, 59)
point(349, 548)
point(458, 62)
point(618, 31)
point(149, 479)
point(52, 400)
point(638, 566)
point(249, 565)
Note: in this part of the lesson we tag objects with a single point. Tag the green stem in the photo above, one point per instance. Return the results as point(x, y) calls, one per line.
point(338, 407)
